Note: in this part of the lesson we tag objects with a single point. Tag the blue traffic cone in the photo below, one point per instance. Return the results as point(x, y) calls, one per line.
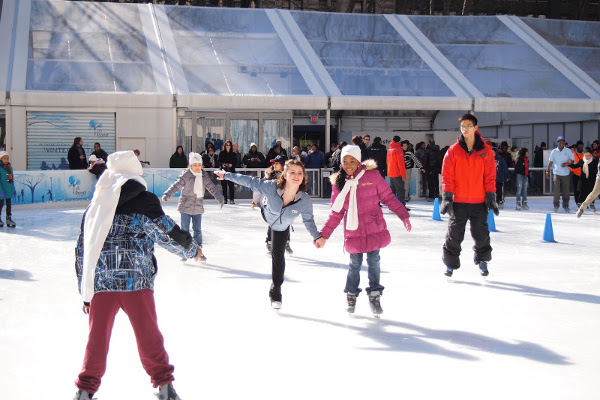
point(436, 210)
point(548, 232)
point(491, 222)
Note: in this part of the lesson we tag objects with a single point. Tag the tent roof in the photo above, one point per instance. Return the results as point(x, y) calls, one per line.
point(263, 58)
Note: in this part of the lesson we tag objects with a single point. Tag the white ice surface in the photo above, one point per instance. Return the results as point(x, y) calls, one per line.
point(531, 332)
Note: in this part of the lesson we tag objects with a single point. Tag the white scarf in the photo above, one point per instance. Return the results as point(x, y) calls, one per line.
point(586, 166)
point(100, 214)
point(352, 214)
point(198, 186)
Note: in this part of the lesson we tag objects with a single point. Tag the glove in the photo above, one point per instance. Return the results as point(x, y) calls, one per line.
point(447, 203)
point(407, 224)
point(165, 198)
point(221, 201)
point(490, 202)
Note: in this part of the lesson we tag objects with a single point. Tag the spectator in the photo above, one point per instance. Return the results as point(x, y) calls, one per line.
point(238, 156)
point(178, 159)
point(469, 185)
point(502, 176)
point(336, 159)
point(560, 158)
point(364, 149)
point(254, 158)
point(514, 154)
point(99, 153)
point(577, 156)
point(538, 162)
point(505, 153)
point(588, 167)
point(328, 155)
point(272, 153)
point(76, 156)
point(97, 166)
point(410, 161)
point(7, 188)
point(421, 155)
point(296, 154)
point(227, 160)
point(433, 167)
point(358, 141)
point(378, 152)
point(137, 154)
point(595, 145)
point(116, 267)
point(210, 159)
point(315, 159)
point(522, 175)
point(396, 170)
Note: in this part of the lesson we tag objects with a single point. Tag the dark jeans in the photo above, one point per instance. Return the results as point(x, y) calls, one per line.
point(8, 206)
point(576, 192)
point(278, 240)
point(477, 215)
point(228, 184)
point(397, 186)
point(423, 177)
point(270, 234)
point(499, 192)
point(374, 273)
point(433, 180)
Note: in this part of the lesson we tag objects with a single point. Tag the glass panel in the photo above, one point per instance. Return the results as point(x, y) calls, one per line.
point(228, 51)
point(210, 130)
point(244, 132)
point(83, 46)
point(364, 55)
point(579, 41)
point(494, 59)
point(184, 134)
point(273, 130)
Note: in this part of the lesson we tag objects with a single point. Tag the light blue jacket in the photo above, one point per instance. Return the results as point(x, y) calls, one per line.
point(277, 216)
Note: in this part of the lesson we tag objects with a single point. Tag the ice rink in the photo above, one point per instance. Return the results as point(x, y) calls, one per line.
point(532, 331)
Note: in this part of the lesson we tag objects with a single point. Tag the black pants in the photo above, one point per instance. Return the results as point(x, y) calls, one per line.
point(477, 215)
point(8, 206)
point(433, 181)
point(279, 238)
point(228, 184)
point(499, 192)
point(575, 188)
point(270, 235)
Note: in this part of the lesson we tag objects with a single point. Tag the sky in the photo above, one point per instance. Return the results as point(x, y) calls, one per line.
point(528, 331)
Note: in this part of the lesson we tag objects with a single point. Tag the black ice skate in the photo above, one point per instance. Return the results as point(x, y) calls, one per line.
point(288, 249)
point(167, 392)
point(351, 298)
point(448, 272)
point(375, 303)
point(83, 395)
point(525, 206)
point(483, 268)
point(275, 296)
point(9, 222)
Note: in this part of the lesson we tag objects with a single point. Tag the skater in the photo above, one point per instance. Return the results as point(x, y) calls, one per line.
point(285, 199)
point(560, 158)
point(469, 192)
point(357, 190)
point(116, 267)
point(192, 182)
point(586, 174)
point(522, 175)
point(502, 176)
point(7, 189)
point(272, 172)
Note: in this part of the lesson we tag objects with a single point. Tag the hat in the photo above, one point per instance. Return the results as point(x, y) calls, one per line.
point(253, 144)
point(351, 150)
point(558, 139)
point(278, 140)
point(543, 144)
point(194, 158)
point(93, 158)
point(124, 162)
point(3, 153)
point(579, 142)
point(279, 159)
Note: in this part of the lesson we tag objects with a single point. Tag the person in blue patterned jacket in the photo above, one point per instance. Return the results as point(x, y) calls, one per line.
point(116, 267)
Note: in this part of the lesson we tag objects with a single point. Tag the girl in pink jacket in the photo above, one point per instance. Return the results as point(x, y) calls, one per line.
point(357, 190)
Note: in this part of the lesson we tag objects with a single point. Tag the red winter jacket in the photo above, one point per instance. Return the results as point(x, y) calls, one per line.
point(469, 176)
point(395, 161)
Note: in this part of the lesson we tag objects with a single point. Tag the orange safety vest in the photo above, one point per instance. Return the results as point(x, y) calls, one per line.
point(577, 157)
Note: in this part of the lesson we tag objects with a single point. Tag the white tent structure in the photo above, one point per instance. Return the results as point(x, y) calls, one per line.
point(154, 76)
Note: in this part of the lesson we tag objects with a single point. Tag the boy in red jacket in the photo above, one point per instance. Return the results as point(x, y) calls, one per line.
point(469, 186)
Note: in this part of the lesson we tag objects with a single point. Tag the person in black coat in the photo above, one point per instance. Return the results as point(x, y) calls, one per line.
point(227, 161)
point(99, 152)
point(210, 159)
point(433, 168)
point(587, 180)
point(254, 158)
point(76, 156)
point(378, 152)
point(178, 159)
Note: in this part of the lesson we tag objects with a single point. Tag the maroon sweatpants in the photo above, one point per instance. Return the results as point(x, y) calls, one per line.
point(139, 307)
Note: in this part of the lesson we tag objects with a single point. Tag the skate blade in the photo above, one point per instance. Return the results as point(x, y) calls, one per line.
point(276, 305)
point(377, 316)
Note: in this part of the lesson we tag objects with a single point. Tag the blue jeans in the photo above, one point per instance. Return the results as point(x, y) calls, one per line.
point(353, 279)
point(196, 223)
point(522, 183)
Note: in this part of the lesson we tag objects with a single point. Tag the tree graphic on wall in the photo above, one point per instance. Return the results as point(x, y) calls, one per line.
point(31, 182)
